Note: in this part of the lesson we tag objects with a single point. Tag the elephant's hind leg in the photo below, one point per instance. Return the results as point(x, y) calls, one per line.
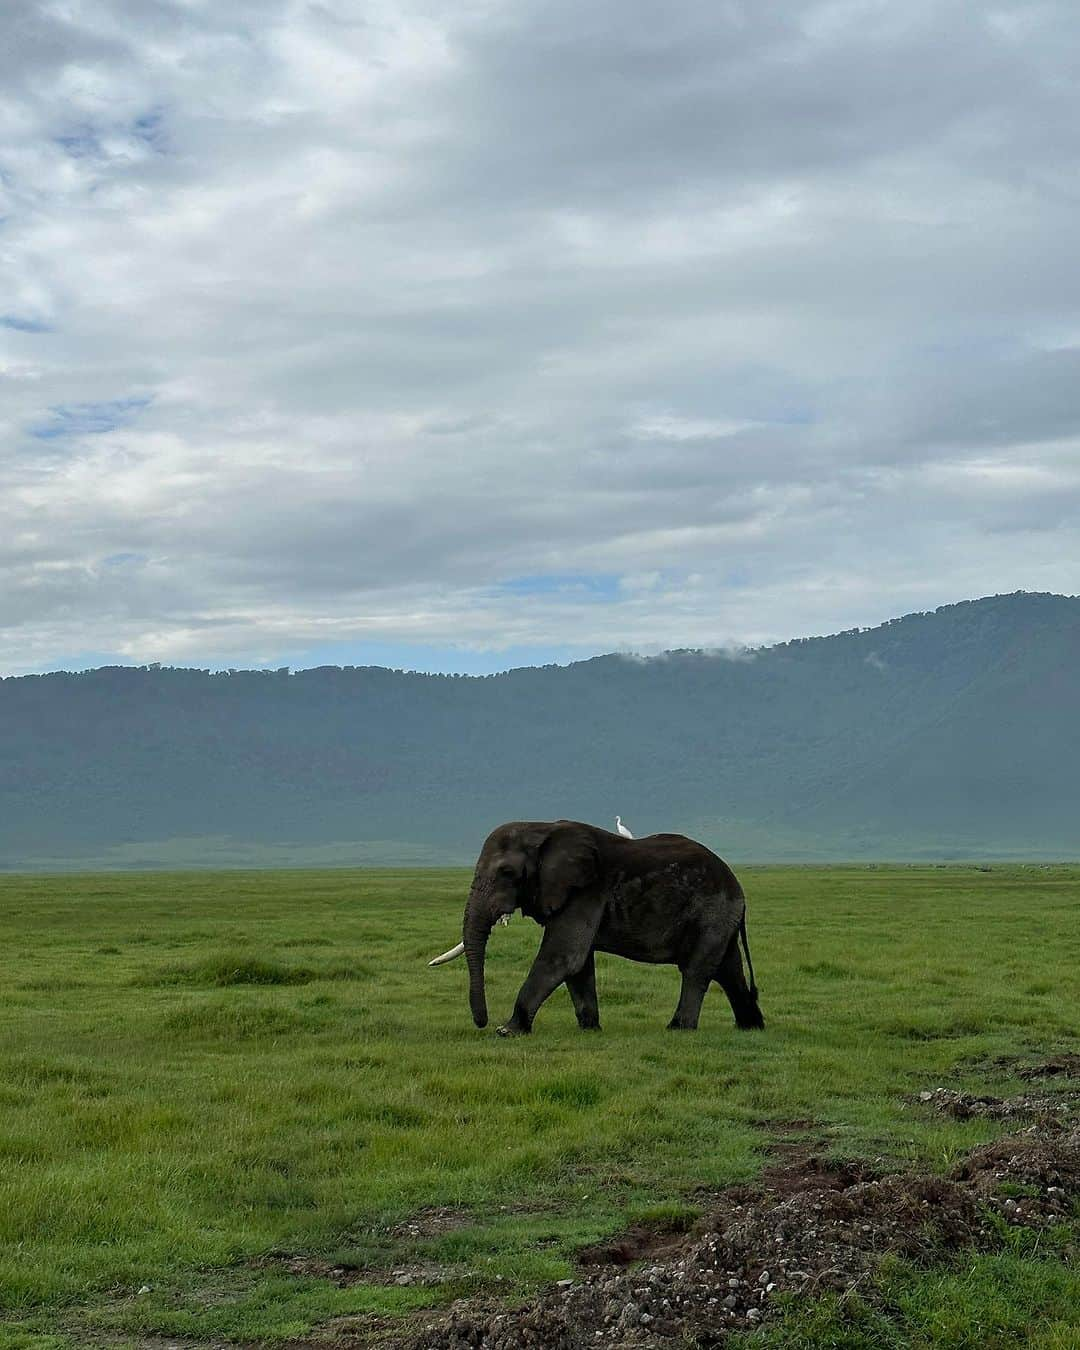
point(582, 987)
point(690, 999)
point(729, 976)
point(695, 983)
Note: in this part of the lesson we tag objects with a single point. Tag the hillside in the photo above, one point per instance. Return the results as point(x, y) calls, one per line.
point(949, 734)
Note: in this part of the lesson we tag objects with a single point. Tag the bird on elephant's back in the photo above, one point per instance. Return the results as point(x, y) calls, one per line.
point(662, 899)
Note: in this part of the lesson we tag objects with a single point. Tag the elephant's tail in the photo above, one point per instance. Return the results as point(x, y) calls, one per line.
point(749, 963)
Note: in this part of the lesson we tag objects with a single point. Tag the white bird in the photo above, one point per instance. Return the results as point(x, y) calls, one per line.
point(622, 828)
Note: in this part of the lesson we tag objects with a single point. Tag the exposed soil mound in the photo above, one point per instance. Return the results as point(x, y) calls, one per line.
point(1064, 1065)
point(641, 1242)
point(1043, 1159)
point(809, 1228)
point(964, 1105)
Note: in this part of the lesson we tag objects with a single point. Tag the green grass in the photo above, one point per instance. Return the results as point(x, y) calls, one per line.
point(198, 1070)
point(997, 1301)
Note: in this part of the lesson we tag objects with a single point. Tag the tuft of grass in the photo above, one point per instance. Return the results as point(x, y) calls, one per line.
point(221, 971)
point(576, 1091)
point(827, 970)
point(671, 1216)
point(226, 1019)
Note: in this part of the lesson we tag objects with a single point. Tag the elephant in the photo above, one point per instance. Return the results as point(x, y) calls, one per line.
point(662, 899)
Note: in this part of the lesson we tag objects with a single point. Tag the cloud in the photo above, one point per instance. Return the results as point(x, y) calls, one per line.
point(530, 327)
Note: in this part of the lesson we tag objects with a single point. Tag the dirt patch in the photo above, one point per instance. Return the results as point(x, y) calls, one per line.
point(361, 1331)
point(344, 1274)
point(808, 1171)
point(964, 1105)
point(781, 1126)
point(425, 1224)
point(312, 1267)
point(431, 1223)
point(1041, 1163)
point(812, 1225)
point(1064, 1065)
point(640, 1242)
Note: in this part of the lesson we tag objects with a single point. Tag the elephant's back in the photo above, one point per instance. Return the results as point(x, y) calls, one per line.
point(679, 850)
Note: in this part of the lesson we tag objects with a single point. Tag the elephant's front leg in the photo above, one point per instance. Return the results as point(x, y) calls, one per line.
point(564, 951)
point(582, 987)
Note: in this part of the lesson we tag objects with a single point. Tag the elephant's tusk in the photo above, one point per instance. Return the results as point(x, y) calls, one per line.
point(451, 955)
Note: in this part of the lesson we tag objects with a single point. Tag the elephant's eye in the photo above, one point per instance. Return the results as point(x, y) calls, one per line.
point(506, 872)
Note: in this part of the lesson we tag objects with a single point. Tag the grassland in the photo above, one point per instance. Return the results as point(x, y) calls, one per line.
point(204, 1077)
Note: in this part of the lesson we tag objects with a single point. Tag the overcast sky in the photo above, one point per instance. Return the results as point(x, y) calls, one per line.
point(465, 335)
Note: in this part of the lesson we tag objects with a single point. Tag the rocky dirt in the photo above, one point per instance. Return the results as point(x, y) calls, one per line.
point(810, 1226)
point(344, 1274)
point(430, 1223)
point(964, 1105)
point(1058, 1104)
point(425, 1224)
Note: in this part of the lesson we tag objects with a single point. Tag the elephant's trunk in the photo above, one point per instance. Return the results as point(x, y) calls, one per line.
point(476, 929)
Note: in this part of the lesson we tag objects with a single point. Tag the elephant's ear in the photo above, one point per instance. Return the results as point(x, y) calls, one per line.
point(569, 862)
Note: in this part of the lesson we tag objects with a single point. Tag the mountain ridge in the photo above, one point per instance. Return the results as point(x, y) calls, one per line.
point(945, 733)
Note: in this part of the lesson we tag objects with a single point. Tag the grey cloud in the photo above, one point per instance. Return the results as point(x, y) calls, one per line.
point(1020, 397)
point(714, 102)
point(331, 322)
